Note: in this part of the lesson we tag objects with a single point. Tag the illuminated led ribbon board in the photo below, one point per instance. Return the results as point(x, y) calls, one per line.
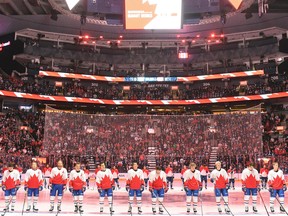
point(151, 79)
point(5, 93)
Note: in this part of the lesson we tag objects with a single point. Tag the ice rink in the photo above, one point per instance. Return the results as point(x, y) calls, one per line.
point(174, 202)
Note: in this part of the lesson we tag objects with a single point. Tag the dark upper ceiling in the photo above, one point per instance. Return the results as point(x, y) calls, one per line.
point(35, 14)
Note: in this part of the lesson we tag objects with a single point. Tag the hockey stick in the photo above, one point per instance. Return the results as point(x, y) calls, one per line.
point(227, 206)
point(25, 196)
point(281, 205)
point(263, 203)
point(161, 203)
point(200, 196)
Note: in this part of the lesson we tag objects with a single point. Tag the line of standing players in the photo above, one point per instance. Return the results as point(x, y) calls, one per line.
point(137, 180)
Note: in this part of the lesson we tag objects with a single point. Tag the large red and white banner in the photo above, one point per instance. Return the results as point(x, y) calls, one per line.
point(4, 93)
point(151, 79)
point(153, 14)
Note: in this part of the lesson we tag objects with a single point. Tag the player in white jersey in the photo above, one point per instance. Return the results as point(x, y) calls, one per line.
point(77, 186)
point(219, 178)
point(157, 186)
point(10, 185)
point(106, 185)
point(57, 184)
point(135, 186)
point(250, 186)
point(277, 186)
point(192, 186)
point(33, 184)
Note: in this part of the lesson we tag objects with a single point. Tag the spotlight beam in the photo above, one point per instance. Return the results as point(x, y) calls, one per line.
point(72, 3)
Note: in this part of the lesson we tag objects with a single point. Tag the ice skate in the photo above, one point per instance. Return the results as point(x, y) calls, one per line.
point(129, 209)
point(219, 210)
point(255, 209)
point(111, 210)
point(194, 210)
point(81, 209)
point(101, 209)
point(28, 209)
point(272, 209)
point(188, 210)
point(139, 210)
point(51, 209)
point(76, 209)
point(154, 210)
point(59, 208)
point(246, 209)
point(161, 210)
point(282, 209)
point(35, 209)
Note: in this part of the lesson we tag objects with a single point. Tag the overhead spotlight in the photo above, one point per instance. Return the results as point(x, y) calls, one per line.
point(71, 3)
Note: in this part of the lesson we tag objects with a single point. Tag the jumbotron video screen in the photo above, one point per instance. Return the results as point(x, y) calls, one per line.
point(153, 14)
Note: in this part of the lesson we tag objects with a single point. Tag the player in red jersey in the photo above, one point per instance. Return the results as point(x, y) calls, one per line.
point(277, 186)
point(192, 184)
point(57, 184)
point(170, 176)
point(115, 174)
point(182, 173)
point(264, 176)
point(157, 187)
point(33, 184)
point(219, 178)
point(47, 172)
point(231, 176)
point(146, 175)
point(10, 185)
point(105, 185)
point(77, 186)
point(250, 186)
point(204, 174)
point(135, 186)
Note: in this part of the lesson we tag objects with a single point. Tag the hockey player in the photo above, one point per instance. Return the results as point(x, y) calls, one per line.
point(135, 186)
point(219, 178)
point(277, 186)
point(192, 186)
point(231, 177)
point(204, 173)
point(157, 187)
point(87, 176)
point(115, 174)
point(250, 186)
point(105, 185)
point(10, 185)
point(77, 186)
point(57, 184)
point(146, 175)
point(47, 172)
point(170, 176)
point(182, 173)
point(33, 184)
point(264, 176)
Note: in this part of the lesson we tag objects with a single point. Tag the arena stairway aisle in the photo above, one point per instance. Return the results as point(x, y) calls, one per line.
point(213, 158)
point(151, 157)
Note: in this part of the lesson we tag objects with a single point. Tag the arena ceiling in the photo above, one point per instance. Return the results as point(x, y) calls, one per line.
point(35, 14)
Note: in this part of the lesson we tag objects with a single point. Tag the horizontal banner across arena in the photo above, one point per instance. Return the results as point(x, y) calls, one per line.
point(142, 102)
point(150, 79)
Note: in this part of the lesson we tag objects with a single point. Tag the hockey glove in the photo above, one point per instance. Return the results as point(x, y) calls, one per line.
point(71, 189)
point(142, 188)
point(84, 189)
point(166, 189)
point(212, 180)
point(17, 187)
point(127, 188)
point(258, 188)
point(64, 187)
point(151, 189)
point(41, 188)
point(113, 187)
point(284, 187)
point(244, 188)
point(25, 188)
point(100, 190)
point(200, 188)
point(186, 189)
point(4, 188)
point(271, 190)
point(227, 186)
